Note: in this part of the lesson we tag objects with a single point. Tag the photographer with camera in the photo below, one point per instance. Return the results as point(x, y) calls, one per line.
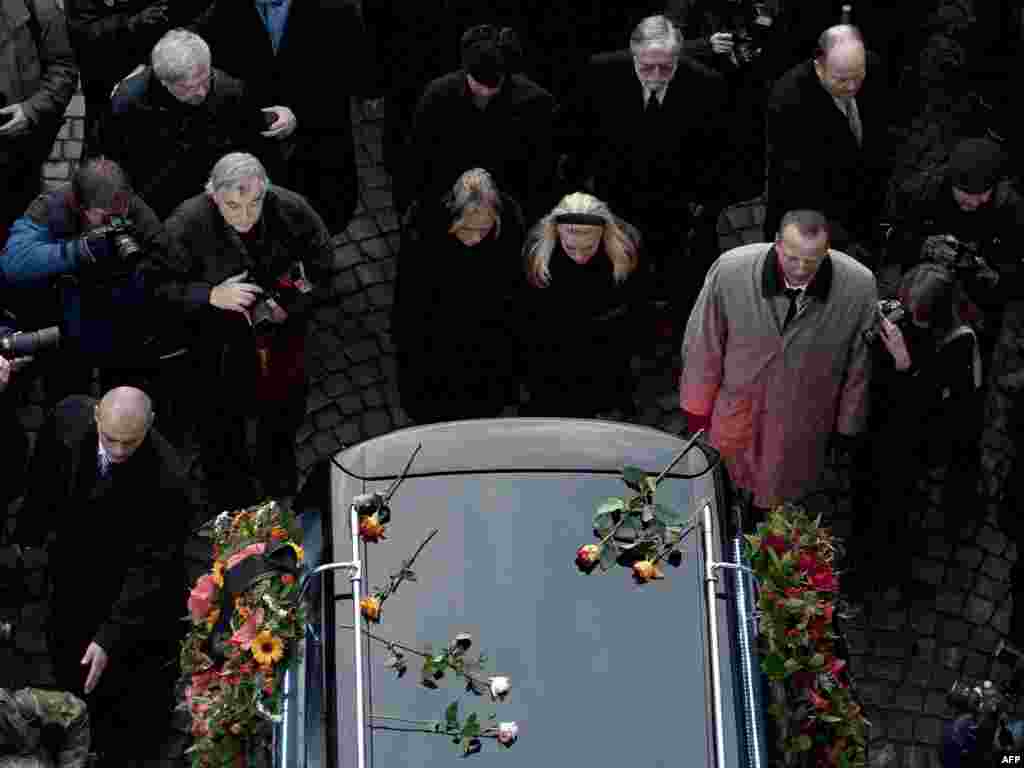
point(243, 261)
point(13, 443)
point(969, 218)
point(72, 259)
point(925, 413)
point(37, 80)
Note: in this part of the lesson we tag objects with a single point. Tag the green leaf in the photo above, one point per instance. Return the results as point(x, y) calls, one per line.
point(610, 505)
point(774, 666)
point(803, 742)
point(831, 718)
point(651, 483)
point(667, 515)
point(792, 665)
point(471, 727)
point(817, 661)
point(609, 555)
point(451, 716)
point(633, 477)
point(603, 523)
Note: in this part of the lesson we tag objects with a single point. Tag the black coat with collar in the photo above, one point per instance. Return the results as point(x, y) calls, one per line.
point(642, 164)
point(203, 250)
point(168, 147)
point(117, 561)
point(813, 158)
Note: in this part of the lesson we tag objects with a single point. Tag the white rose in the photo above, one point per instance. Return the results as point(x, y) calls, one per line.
point(499, 688)
point(507, 733)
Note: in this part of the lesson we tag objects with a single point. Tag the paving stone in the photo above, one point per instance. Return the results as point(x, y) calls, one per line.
point(365, 374)
point(978, 609)
point(928, 730)
point(917, 756)
point(997, 568)
point(349, 433)
point(938, 547)
point(906, 697)
point(362, 350)
point(950, 600)
point(327, 417)
point(899, 727)
point(344, 283)
point(923, 620)
point(885, 669)
point(892, 644)
point(325, 444)
point(928, 571)
point(970, 556)
point(959, 577)
point(991, 540)
point(935, 703)
point(377, 422)
point(990, 589)
point(381, 295)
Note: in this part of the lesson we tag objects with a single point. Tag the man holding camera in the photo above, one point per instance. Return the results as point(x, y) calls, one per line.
point(72, 259)
point(243, 260)
point(37, 80)
point(114, 492)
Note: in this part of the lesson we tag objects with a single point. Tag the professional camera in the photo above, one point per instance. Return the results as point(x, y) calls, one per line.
point(750, 35)
point(977, 697)
point(892, 310)
point(28, 343)
point(121, 233)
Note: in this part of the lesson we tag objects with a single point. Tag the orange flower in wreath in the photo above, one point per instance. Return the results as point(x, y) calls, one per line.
point(218, 573)
point(278, 533)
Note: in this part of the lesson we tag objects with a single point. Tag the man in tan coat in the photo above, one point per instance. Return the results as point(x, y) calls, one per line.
point(774, 359)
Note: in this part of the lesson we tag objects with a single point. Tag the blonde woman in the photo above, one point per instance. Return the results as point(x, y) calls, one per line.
point(451, 315)
point(582, 265)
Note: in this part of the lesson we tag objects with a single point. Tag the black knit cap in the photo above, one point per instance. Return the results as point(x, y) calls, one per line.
point(485, 61)
point(975, 165)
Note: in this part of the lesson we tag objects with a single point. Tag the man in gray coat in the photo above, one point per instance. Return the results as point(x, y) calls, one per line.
point(774, 359)
point(37, 80)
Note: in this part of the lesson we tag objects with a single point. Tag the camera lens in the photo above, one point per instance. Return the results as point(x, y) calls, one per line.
point(127, 247)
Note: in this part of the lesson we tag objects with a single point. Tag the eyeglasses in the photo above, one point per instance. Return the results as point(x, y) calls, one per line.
point(652, 69)
point(192, 86)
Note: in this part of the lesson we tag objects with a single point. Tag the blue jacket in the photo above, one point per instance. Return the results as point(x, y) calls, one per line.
point(100, 314)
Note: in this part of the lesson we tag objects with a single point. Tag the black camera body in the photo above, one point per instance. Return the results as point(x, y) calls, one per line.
point(893, 311)
point(122, 235)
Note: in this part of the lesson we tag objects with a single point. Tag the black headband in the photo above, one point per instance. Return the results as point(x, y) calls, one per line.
point(580, 218)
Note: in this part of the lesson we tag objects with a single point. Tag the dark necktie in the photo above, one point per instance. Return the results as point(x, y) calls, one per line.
point(794, 297)
point(853, 117)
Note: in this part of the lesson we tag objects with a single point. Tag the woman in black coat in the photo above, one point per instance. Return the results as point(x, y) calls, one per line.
point(925, 414)
point(581, 265)
point(451, 321)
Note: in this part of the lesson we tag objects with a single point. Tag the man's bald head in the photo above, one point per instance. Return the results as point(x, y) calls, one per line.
point(841, 61)
point(123, 419)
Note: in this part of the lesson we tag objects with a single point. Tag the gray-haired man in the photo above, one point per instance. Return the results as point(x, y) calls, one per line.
point(243, 260)
point(173, 119)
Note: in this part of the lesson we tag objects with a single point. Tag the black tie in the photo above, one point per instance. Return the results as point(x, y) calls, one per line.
point(794, 295)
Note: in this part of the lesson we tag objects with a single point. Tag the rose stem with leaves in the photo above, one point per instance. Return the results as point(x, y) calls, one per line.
point(421, 654)
point(403, 572)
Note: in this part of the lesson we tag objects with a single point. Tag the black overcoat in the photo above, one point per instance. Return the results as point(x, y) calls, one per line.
point(814, 160)
point(323, 60)
point(453, 320)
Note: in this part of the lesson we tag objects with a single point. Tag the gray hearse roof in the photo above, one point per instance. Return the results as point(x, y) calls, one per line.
point(518, 444)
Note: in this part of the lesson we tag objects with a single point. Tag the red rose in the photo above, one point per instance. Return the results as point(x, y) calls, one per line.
point(824, 580)
point(827, 610)
point(778, 543)
point(818, 701)
point(287, 578)
point(836, 667)
point(807, 562)
point(793, 591)
point(587, 557)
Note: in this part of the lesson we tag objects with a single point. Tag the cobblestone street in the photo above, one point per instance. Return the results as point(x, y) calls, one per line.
point(905, 654)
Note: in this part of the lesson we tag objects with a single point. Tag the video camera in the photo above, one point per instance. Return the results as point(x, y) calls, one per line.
point(28, 343)
point(892, 310)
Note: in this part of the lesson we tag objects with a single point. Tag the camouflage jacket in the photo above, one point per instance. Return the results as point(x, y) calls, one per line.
point(28, 718)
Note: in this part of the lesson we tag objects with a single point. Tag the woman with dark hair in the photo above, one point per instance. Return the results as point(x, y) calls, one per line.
point(451, 315)
point(581, 264)
point(925, 414)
